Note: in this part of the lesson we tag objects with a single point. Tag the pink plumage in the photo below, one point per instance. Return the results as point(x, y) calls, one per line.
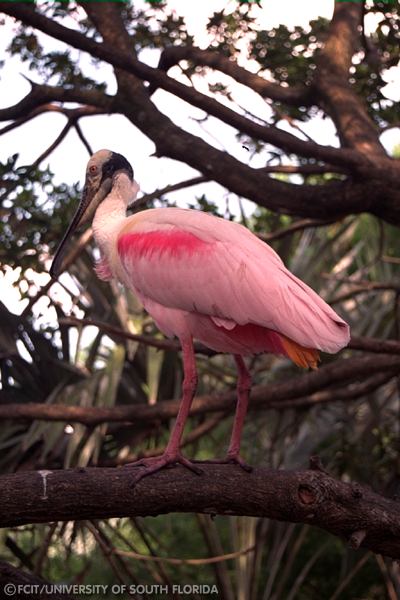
point(175, 243)
point(205, 278)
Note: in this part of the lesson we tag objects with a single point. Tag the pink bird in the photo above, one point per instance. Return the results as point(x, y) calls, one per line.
point(205, 278)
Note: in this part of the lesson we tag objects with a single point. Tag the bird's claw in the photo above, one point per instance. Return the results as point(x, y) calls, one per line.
point(230, 459)
point(156, 463)
point(238, 460)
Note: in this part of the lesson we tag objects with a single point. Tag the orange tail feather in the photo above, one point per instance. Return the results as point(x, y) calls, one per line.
point(302, 357)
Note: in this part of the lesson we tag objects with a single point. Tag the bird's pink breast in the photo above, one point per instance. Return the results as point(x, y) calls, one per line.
point(154, 243)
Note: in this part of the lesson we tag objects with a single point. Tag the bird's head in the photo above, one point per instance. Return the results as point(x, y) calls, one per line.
point(102, 170)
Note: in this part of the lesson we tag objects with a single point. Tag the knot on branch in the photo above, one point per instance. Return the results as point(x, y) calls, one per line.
point(308, 494)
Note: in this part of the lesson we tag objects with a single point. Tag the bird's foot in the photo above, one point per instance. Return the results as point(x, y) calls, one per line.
point(156, 463)
point(232, 458)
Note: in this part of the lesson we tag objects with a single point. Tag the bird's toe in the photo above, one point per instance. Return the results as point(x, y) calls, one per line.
point(230, 459)
point(154, 464)
point(236, 459)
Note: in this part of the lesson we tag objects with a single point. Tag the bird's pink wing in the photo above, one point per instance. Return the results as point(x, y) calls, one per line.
point(198, 263)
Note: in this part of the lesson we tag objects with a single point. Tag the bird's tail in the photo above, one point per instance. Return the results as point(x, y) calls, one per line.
point(302, 357)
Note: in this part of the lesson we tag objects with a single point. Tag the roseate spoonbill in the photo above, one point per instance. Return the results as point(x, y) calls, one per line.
point(201, 277)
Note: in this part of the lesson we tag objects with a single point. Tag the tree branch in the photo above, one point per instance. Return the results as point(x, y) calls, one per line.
point(118, 333)
point(40, 110)
point(360, 287)
point(37, 99)
point(299, 225)
point(125, 61)
point(333, 200)
point(305, 169)
point(302, 391)
point(71, 113)
point(374, 345)
point(63, 134)
point(296, 96)
point(83, 138)
point(193, 436)
point(185, 561)
point(157, 194)
point(338, 98)
point(309, 496)
point(366, 344)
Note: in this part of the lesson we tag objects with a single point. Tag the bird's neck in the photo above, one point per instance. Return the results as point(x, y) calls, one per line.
point(111, 213)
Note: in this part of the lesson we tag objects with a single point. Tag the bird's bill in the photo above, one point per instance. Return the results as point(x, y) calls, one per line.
point(81, 216)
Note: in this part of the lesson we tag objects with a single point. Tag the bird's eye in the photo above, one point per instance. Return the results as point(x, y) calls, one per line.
point(93, 169)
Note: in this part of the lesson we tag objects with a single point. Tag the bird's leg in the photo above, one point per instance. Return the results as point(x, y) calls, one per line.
point(243, 390)
point(172, 453)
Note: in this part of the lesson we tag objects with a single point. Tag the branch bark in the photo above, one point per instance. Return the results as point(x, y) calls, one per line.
point(296, 96)
point(40, 95)
point(301, 392)
point(73, 114)
point(337, 97)
point(308, 496)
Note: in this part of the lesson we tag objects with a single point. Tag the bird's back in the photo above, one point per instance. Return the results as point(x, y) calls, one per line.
point(196, 262)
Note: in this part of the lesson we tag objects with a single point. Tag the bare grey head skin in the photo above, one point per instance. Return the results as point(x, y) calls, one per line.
point(101, 171)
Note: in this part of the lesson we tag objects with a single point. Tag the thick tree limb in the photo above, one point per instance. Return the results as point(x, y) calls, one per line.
point(305, 169)
point(296, 96)
point(374, 345)
point(302, 391)
point(338, 98)
point(297, 496)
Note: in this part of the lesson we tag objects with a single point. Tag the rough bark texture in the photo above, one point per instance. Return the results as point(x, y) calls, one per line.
point(309, 496)
point(347, 110)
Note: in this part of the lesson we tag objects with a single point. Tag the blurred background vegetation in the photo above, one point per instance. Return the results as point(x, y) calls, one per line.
point(46, 356)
